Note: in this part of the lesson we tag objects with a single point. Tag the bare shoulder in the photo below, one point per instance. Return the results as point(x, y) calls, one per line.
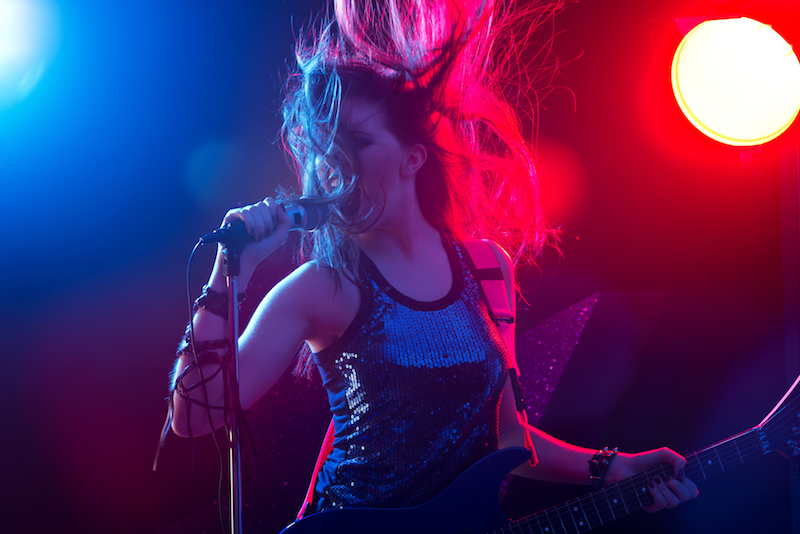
point(313, 279)
point(327, 299)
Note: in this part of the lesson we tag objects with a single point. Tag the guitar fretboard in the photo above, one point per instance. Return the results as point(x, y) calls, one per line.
point(602, 506)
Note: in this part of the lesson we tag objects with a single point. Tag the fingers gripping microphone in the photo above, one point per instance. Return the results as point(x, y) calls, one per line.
point(305, 217)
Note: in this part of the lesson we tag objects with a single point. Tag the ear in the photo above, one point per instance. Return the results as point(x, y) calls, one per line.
point(415, 157)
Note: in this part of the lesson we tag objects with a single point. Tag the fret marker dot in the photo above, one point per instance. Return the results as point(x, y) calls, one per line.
point(580, 523)
point(615, 501)
point(547, 529)
point(575, 509)
point(709, 462)
point(644, 489)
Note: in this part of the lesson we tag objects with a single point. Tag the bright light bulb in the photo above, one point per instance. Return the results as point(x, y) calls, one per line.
point(737, 81)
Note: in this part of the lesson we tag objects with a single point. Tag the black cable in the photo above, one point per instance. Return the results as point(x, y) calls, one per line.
point(203, 381)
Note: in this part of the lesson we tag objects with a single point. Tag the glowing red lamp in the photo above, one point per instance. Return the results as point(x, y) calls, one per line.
point(737, 81)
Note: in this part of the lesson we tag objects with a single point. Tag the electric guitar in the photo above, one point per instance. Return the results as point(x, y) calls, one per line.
point(470, 505)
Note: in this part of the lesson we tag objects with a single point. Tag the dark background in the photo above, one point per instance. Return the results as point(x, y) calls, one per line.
point(155, 117)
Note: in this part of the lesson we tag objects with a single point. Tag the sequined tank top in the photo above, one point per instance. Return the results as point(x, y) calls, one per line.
point(414, 389)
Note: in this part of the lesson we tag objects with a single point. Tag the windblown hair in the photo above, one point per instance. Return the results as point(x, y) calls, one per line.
point(441, 70)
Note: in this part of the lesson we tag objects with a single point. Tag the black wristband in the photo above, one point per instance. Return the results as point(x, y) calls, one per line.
point(215, 302)
point(598, 466)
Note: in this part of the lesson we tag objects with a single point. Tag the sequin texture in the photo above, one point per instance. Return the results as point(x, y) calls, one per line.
point(414, 388)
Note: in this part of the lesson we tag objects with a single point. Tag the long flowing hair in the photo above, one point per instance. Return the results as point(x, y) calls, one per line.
point(442, 70)
point(449, 74)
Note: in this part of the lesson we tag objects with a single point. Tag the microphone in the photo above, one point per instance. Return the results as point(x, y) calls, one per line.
point(306, 217)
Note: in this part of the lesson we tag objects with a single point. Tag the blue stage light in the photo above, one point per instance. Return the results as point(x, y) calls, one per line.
point(28, 41)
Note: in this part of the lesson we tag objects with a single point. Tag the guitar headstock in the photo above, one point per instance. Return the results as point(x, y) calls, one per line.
point(781, 427)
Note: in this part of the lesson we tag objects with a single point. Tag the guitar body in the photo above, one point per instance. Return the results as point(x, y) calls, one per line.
point(469, 505)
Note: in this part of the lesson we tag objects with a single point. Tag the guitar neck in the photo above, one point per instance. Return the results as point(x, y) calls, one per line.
point(599, 507)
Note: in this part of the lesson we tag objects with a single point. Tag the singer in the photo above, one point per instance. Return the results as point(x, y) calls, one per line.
point(396, 120)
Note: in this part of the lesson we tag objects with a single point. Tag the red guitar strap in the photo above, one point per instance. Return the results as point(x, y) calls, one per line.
point(501, 296)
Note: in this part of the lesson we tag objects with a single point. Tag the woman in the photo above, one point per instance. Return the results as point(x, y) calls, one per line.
point(395, 120)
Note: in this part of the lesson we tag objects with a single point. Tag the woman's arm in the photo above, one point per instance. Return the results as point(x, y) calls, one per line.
point(562, 462)
point(307, 305)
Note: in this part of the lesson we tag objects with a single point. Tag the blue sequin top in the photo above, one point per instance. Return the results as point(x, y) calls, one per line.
point(414, 389)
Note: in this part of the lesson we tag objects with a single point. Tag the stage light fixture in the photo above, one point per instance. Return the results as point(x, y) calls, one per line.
point(737, 81)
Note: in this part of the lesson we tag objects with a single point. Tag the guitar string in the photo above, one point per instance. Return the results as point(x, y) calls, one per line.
point(631, 488)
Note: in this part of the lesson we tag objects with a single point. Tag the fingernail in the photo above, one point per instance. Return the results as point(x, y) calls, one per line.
point(681, 474)
point(651, 484)
point(667, 478)
point(657, 479)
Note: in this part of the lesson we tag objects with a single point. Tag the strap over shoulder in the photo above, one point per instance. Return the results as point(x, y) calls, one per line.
point(495, 271)
point(495, 277)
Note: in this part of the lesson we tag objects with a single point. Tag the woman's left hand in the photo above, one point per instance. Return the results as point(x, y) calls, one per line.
point(667, 492)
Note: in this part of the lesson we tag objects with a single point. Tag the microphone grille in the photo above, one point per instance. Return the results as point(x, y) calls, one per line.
point(316, 215)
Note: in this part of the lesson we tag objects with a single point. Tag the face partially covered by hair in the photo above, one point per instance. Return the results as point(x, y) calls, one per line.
point(324, 131)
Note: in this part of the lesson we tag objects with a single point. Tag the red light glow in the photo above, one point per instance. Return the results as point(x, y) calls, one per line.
point(562, 180)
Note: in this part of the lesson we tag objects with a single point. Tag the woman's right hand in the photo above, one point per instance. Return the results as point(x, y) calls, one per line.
point(268, 223)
